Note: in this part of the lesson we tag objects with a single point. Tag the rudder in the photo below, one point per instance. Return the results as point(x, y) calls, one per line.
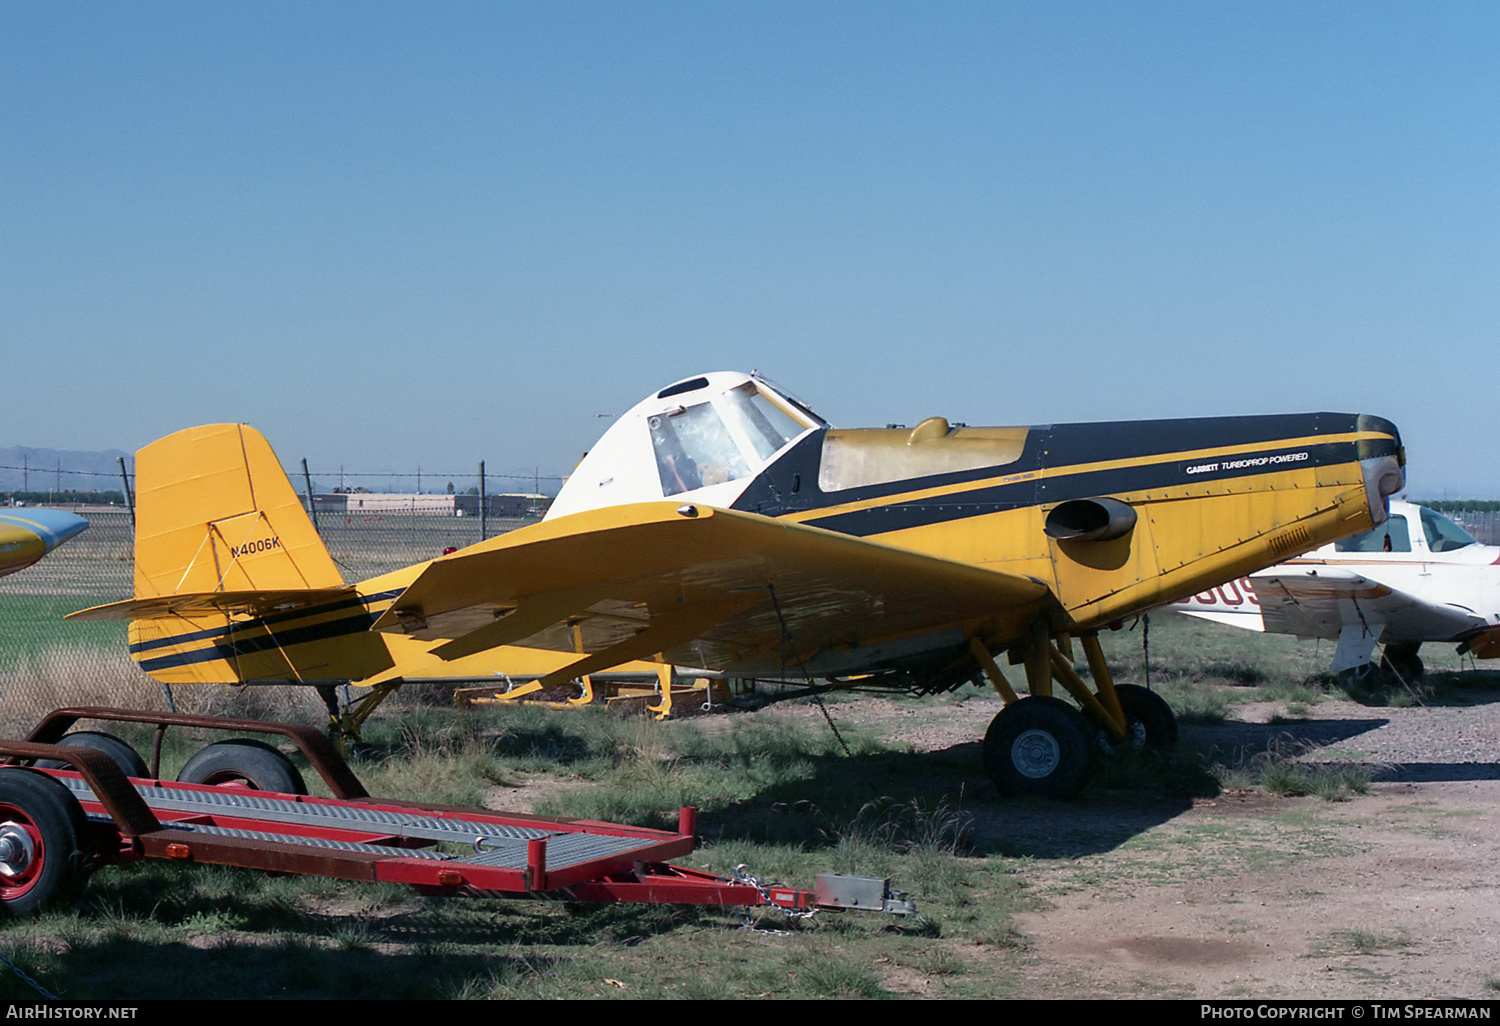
point(215, 512)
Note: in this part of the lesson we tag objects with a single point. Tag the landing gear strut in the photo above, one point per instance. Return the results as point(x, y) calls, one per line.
point(1041, 746)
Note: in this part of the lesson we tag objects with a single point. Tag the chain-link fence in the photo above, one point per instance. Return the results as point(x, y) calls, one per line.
point(1483, 524)
point(46, 662)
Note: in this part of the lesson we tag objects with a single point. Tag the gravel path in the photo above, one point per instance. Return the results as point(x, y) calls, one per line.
point(1431, 743)
point(1416, 744)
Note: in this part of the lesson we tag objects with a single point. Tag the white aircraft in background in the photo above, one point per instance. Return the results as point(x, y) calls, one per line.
point(1416, 578)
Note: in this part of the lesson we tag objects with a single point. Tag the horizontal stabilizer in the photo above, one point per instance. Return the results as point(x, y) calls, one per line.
point(249, 603)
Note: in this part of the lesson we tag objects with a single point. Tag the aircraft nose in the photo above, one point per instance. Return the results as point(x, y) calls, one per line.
point(1383, 461)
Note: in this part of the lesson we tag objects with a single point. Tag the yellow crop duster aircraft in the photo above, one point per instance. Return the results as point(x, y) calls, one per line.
point(723, 525)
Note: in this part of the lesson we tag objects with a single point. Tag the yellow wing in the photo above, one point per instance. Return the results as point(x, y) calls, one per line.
point(704, 587)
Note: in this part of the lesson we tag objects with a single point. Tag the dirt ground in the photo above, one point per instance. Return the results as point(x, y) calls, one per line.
point(1393, 894)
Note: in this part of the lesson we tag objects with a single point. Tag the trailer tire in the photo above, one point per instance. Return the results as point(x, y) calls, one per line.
point(127, 758)
point(43, 863)
point(241, 762)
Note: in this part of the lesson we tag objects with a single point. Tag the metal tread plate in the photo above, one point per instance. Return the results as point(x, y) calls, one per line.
point(500, 845)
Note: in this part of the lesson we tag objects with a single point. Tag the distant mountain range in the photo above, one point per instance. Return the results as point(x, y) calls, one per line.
point(24, 468)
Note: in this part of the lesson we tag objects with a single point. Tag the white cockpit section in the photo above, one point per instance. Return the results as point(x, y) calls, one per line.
point(702, 439)
point(1398, 535)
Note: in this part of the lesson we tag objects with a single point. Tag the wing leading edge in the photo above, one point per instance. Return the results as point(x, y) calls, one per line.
point(705, 587)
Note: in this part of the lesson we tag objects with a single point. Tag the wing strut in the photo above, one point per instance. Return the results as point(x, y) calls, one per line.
point(992, 670)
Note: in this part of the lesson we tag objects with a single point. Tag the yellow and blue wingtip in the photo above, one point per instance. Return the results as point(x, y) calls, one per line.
point(26, 535)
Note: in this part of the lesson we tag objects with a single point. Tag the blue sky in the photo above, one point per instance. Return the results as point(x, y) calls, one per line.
point(392, 234)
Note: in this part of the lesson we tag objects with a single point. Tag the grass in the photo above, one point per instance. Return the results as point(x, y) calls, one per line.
point(777, 793)
point(1278, 772)
point(1357, 941)
point(167, 930)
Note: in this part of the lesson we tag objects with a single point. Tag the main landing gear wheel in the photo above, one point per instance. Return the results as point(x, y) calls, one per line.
point(42, 827)
point(243, 763)
point(1038, 747)
point(127, 758)
point(1401, 662)
point(1149, 722)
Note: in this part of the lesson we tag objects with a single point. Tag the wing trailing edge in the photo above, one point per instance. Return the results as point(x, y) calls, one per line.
point(700, 586)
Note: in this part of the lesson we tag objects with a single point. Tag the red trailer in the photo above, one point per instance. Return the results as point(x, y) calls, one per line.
point(72, 803)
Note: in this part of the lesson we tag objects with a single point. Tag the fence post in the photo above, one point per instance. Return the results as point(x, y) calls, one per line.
point(312, 508)
point(129, 499)
point(484, 506)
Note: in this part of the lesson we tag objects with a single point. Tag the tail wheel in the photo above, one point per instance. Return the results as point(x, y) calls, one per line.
point(1038, 747)
point(127, 758)
point(246, 764)
point(42, 828)
point(1149, 722)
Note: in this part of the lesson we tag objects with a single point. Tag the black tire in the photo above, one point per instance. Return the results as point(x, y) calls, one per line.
point(43, 863)
point(1151, 721)
point(127, 758)
point(1039, 747)
point(1400, 662)
point(241, 762)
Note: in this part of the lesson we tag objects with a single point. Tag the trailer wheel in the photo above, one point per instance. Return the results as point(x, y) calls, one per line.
point(243, 763)
point(1038, 747)
point(127, 758)
point(42, 827)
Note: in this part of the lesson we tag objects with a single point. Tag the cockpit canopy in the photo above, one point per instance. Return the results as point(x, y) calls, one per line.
point(1440, 533)
point(708, 435)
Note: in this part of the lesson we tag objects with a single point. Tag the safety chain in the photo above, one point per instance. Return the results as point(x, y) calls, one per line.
point(741, 875)
point(43, 991)
point(1146, 648)
point(832, 726)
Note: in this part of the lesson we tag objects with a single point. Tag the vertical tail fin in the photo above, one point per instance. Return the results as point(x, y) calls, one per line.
point(215, 512)
point(232, 582)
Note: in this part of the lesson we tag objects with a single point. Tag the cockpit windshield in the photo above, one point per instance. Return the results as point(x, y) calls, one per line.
point(694, 449)
point(728, 438)
point(765, 425)
point(1443, 535)
point(1391, 536)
